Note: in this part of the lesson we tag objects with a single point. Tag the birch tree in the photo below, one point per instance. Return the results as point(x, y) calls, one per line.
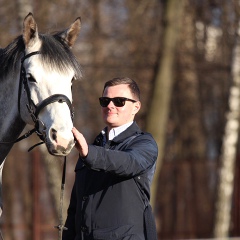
point(229, 149)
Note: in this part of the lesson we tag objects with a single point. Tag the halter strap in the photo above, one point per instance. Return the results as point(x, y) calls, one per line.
point(29, 55)
point(23, 79)
point(34, 109)
point(54, 98)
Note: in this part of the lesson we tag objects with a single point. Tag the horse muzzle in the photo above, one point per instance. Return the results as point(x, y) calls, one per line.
point(57, 144)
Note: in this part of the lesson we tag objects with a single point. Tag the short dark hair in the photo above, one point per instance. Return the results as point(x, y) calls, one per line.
point(124, 80)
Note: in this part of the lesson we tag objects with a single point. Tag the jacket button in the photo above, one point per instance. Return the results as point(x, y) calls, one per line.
point(85, 198)
point(83, 228)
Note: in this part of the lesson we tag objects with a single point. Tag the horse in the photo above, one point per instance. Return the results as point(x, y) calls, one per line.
point(36, 75)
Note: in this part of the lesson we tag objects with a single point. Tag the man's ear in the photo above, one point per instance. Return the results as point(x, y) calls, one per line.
point(137, 106)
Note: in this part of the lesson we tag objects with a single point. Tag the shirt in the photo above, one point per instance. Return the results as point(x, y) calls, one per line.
point(114, 132)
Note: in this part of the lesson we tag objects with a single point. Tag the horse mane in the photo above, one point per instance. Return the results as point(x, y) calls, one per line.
point(55, 54)
point(10, 56)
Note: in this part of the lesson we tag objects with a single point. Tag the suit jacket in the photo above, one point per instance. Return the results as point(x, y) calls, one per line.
point(105, 201)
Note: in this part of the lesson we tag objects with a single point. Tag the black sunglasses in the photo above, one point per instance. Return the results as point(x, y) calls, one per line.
point(117, 101)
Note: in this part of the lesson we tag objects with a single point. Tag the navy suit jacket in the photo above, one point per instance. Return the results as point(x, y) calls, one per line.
point(106, 202)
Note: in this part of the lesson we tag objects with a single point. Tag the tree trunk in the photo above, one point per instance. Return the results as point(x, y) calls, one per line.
point(229, 149)
point(159, 110)
point(24, 7)
point(190, 139)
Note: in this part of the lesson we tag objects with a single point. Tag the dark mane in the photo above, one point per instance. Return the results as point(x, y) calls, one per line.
point(55, 54)
point(10, 56)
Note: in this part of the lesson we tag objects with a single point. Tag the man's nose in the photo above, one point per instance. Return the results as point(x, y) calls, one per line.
point(111, 104)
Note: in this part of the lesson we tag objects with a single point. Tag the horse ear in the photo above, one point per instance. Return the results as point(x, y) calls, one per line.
point(71, 34)
point(30, 31)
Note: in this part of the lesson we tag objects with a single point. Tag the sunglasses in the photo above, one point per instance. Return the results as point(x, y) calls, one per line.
point(117, 101)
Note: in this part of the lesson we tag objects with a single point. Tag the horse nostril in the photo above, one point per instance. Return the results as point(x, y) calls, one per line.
point(54, 134)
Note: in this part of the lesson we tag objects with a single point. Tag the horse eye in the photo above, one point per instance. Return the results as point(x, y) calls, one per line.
point(31, 78)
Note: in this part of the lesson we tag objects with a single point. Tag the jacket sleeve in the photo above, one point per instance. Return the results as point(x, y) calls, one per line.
point(70, 233)
point(135, 158)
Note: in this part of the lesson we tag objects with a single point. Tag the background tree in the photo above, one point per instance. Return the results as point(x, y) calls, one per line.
point(229, 148)
point(183, 64)
point(162, 91)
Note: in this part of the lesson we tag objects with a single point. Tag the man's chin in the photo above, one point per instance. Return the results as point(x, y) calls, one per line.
point(111, 121)
point(112, 124)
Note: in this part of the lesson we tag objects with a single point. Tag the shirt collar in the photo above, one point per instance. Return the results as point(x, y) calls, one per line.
point(114, 132)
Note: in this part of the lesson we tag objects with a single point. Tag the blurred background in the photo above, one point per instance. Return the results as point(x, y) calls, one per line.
point(185, 56)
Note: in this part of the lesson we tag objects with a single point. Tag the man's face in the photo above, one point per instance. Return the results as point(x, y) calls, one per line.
point(117, 116)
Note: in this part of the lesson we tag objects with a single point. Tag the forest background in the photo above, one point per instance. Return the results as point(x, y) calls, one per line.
point(185, 56)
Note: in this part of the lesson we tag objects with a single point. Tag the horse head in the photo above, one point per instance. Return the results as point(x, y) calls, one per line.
point(47, 71)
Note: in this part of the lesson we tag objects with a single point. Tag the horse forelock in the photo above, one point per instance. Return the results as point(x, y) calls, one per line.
point(55, 54)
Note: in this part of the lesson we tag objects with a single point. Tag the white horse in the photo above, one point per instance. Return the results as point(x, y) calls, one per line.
point(36, 74)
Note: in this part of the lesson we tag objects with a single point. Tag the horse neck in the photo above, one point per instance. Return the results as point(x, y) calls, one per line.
point(11, 124)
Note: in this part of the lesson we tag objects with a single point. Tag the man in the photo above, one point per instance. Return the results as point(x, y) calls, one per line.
point(112, 187)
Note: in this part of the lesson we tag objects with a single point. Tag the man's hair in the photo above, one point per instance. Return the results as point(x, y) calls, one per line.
point(124, 80)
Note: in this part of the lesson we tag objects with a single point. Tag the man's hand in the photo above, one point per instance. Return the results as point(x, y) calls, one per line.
point(81, 143)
